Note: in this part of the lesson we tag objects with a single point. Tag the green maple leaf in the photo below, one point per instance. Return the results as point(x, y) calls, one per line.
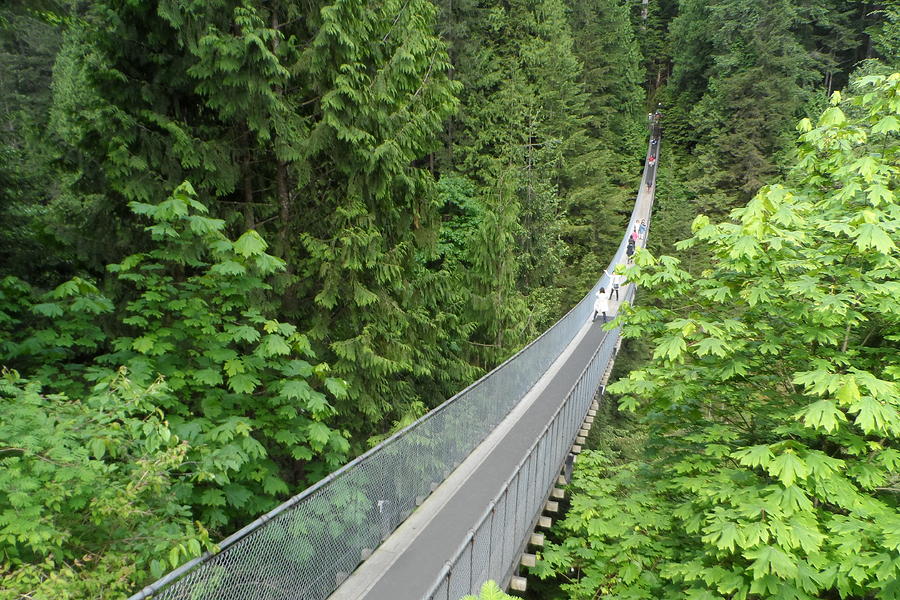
point(208, 376)
point(243, 332)
point(712, 346)
point(273, 345)
point(47, 309)
point(848, 393)
point(144, 344)
point(319, 434)
point(243, 383)
point(890, 530)
point(297, 389)
point(297, 368)
point(788, 467)
point(874, 417)
point(317, 404)
point(236, 494)
point(870, 235)
point(671, 347)
point(337, 387)
point(879, 194)
point(769, 559)
point(213, 497)
point(803, 533)
point(723, 534)
point(886, 125)
point(866, 166)
point(832, 116)
point(228, 267)
point(822, 414)
point(250, 244)
point(755, 456)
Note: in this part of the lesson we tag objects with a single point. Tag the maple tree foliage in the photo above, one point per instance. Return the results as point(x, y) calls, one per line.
point(772, 398)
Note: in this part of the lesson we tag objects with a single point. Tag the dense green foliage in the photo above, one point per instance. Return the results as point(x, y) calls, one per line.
point(241, 241)
point(304, 123)
point(550, 121)
point(28, 44)
point(241, 390)
point(88, 485)
point(490, 591)
point(771, 397)
point(733, 77)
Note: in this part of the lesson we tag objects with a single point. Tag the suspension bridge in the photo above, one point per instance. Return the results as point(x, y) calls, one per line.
point(447, 503)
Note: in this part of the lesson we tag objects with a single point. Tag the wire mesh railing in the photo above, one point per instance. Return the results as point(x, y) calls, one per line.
point(492, 548)
point(306, 547)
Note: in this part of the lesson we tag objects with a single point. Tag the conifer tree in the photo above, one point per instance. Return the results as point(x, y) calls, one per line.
point(518, 139)
point(886, 33)
point(303, 121)
point(600, 184)
point(365, 243)
point(651, 19)
point(29, 39)
point(738, 82)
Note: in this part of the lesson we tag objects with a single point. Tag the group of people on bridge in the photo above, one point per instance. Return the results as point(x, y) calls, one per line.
point(602, 307)
point(653, 123)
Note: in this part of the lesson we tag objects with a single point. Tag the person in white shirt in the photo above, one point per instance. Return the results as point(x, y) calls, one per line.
point(615, 280)
point(601, 305)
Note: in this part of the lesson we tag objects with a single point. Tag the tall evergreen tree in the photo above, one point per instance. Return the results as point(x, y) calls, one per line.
point(533, 143)
point(738, 84)
point(502, 150)
point(651, 19)
point(381, 76)
point(30, 34)
point(600, 180)
point(303, 121)
point(886, 33)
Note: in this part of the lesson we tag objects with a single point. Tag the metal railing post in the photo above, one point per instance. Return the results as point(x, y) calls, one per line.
point(471, 563)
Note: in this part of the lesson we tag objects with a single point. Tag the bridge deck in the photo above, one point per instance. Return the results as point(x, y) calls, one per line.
point(404, 567)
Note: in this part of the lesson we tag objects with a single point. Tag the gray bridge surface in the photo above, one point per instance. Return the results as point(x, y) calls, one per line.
point(445, 504)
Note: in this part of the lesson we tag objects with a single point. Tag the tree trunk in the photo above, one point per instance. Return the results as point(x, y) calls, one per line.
point(249, 217)
point(281, 178)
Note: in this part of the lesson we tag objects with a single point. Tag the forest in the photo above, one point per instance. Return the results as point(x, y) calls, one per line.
point(244, 241)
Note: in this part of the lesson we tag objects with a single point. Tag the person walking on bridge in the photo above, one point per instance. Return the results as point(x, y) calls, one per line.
point(601, 305)
point(615, 280)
